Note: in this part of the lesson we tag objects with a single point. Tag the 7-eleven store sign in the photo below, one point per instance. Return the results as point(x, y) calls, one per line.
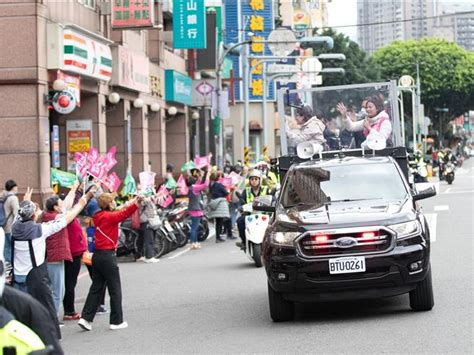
point(86, 56)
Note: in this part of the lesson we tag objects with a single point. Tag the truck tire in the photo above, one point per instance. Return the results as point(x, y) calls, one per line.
point(421, 298)
point(257, 254)
point(281, 310)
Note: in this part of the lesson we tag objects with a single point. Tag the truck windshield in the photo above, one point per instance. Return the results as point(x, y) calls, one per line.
point(313, 186)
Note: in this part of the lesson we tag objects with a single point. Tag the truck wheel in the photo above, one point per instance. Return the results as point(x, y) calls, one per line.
point(421, 298)
point(257, 254)
point(281, 310)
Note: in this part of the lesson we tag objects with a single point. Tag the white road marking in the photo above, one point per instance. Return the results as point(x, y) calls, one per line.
point(441, 208)
point(460, 192)
point(179, 254)
point(447, 190)
point(431, 219)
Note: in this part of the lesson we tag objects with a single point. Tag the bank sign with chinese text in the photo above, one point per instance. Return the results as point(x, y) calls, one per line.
point(189, 24)
point(132, 13)
point(257, 15)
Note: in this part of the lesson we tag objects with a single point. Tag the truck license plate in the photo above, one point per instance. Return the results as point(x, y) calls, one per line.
point(347, 265)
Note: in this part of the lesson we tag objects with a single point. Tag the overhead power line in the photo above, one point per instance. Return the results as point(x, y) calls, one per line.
point(389, 22)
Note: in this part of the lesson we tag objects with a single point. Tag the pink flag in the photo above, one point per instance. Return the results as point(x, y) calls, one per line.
point(226, 181)
point(163, 197)
point(81, 164)
point(93, 156)
point(109, 160)
point(181, 184)
point(98, 170)
point(202, 162)
point(113, 182)
point(236, 178)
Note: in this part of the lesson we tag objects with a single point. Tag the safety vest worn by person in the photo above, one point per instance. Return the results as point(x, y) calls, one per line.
point(14, 334)
point(249, 196)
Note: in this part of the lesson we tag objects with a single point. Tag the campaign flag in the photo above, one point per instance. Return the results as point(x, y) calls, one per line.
point(109, 160)
point(147, 179)
point(81, 164)
point(62, 178)
point(164, 199)
point(202, 162)
point(188, 166)
point(93, 156)
point(170, 183)
point(113, 182)
point(236, 178)
point(98, 170)
point(226, 181)
point(181, 184)
point(129, 186)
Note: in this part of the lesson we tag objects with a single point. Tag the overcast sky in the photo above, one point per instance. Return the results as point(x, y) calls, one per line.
point(341, 13)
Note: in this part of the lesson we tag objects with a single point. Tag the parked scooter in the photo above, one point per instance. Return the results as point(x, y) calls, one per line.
point(255, 225)
point(448, 172)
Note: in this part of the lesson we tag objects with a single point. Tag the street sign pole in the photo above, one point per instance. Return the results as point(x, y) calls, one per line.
point(264, 107)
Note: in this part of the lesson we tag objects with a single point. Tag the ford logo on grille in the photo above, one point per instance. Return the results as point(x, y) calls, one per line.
point(345, 242)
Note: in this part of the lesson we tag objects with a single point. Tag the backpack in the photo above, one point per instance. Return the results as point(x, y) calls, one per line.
point(3, 216)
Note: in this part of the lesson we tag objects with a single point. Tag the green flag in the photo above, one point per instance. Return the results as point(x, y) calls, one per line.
point(129, 186)
point(188, 166)
point(62, 178)
point(170, 183)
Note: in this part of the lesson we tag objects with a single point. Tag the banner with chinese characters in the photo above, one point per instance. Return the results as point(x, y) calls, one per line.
point(189, 24)
point(258, 17)
point(132, 14)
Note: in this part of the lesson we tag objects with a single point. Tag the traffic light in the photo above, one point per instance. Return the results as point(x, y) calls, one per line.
point(316, 42)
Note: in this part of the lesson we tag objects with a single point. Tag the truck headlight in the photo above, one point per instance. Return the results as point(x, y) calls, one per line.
point(406, 229)
point(284, 238)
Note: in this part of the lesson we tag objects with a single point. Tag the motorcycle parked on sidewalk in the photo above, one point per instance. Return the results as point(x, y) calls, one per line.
point(448, 172)
point(255, 225)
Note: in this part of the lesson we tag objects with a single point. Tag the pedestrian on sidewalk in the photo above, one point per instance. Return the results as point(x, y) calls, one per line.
point(105, 270)
point(196, 204)
point(148, 214)
point(11, 205)
point(219, 206)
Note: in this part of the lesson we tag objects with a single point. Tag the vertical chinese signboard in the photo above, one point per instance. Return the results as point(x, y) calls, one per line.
point(257, 15)
point(132, 13)
point(189, 24)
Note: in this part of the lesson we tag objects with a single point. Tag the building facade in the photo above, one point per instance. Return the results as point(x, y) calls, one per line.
point(117, 76)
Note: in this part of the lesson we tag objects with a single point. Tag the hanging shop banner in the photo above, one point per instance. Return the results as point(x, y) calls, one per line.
point(131, 69)
point(258, 14)
point(189, 24)
point(73, 83)
point(178, 87)
point(132, 14)
point(79, 139)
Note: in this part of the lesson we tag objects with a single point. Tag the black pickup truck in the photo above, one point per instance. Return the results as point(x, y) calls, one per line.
point(347, 227)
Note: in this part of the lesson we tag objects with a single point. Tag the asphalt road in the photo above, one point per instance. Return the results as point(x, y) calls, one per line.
point(214, 301)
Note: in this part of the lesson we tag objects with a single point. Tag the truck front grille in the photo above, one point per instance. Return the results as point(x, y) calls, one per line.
point(322, 244)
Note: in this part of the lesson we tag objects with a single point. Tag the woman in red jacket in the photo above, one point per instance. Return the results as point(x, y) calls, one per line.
point(105, 270)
